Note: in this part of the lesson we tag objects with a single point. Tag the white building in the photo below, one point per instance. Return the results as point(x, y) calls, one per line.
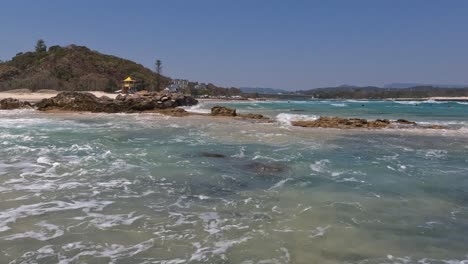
point(181, 83)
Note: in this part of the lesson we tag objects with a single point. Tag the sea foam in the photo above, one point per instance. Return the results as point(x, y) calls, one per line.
point(286, 119)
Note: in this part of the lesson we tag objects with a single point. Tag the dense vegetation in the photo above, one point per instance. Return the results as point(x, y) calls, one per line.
point(72, 68)
point(77, 68)
point(210, 90)
point(381, 93)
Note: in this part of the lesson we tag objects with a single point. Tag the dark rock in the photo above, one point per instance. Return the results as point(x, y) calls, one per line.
point(437, 127)
point(347, 123)
point(72, 101)
point(177, 112)
point(121, 97)
point(405, 122)
point(222, 111)
point(78, 101)
point(105, 98)
point(212, 155)
point(266, 168)
point(10, 104)
point(254, 116)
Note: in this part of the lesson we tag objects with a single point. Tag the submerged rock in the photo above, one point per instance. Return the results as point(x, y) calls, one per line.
point(212, 155)
point(222, 111)
point(78, 101)
point(405, 122)
point(349, 123)
point(266, 168)
point(254, 116)
point(10, 104)
point(338, 122)
point(177, 112)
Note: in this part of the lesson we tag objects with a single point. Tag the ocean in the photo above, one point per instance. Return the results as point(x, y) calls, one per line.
point(147, 188)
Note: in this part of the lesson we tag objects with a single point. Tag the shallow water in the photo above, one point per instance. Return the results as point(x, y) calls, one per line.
point(144, 188)
point(453, 114)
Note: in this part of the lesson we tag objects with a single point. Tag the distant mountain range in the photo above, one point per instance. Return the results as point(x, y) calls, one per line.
point(262, 90)
point(409, 85)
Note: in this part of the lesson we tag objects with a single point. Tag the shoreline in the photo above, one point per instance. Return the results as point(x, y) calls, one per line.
point(34, 97)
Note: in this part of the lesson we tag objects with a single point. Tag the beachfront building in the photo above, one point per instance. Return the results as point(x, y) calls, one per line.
point(174, 88)
point(181, 83)
point(200, 86)
point(129, 85)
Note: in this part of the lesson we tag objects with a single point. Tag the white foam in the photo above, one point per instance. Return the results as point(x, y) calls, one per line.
point(339, 105)
point(320, 166)
point(197, 109)
point(23, 211)
point(435, 153)
point(112, 251)
point(280, 184)
point(219, 248)
point(319, 231)
point(286, 119)
point(420, 102)
point(357, 101)
point(48, 231)
point(211, 222)
point(102, 221)
point(241, 153)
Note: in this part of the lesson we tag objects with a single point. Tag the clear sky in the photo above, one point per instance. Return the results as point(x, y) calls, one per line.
point(267, 43)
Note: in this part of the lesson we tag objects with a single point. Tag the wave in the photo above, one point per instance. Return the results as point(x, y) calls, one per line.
point(197, 109)
point(421, 102)
point(339, 105)
point(357, 101)
point(286, 119)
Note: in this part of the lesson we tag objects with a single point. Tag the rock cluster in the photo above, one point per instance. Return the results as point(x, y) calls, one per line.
point(349, 123)
point(10, 104)
point(78, 101)
point(222, 111)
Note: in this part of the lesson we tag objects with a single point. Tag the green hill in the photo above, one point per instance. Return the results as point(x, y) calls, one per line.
point(73, 68)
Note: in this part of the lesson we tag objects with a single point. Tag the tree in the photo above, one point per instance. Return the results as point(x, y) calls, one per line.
point(158, 68)
point(41, 46)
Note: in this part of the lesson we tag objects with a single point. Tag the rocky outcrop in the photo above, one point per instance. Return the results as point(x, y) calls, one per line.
point(261, 168)
point(350, 123)
point(77, 101)
point(338, 122)
point(254, 116)
point(10, 104)
point(222, 111)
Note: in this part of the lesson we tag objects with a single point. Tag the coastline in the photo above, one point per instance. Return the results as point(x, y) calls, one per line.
point(34, 97)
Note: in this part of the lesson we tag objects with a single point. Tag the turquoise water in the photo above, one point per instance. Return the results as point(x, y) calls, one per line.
point(144, 188)
point(447, 113)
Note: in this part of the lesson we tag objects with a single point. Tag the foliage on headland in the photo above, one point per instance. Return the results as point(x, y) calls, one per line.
point(71, 68)
point(371, 92)
point(78, 68)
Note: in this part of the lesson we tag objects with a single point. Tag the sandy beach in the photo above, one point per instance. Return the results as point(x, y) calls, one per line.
point(34, 97)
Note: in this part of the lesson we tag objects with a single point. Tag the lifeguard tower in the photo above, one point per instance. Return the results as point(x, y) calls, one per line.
point(129, 85)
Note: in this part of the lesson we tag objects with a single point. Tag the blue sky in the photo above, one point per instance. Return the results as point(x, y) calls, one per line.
point(268, 43)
